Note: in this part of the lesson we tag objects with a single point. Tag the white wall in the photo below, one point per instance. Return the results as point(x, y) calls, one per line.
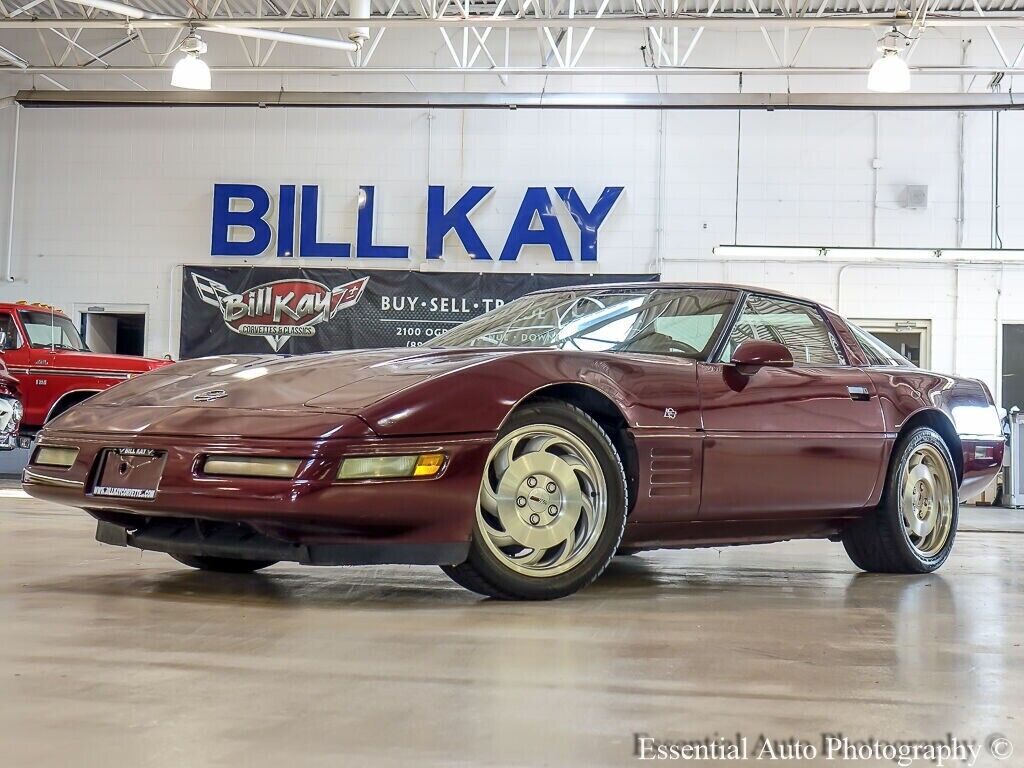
point(110, 201)
point(8, 115)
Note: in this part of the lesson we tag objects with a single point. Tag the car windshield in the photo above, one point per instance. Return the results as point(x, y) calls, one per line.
point(45, 330)
point(680, 321)
point(877, 351)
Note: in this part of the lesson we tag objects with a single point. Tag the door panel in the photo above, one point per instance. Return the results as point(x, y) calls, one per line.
point(665, 422)
point(788, 441)
point(42, 385)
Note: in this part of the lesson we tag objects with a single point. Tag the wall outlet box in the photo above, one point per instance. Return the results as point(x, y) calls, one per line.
point(915, 196)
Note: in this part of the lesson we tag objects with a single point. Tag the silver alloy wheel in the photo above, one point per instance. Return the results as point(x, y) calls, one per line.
point(543, 500)
point(926, 500)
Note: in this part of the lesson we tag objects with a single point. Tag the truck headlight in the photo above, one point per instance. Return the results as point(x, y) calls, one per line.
point(51, 456)
point(11, 412)
point(384, 467)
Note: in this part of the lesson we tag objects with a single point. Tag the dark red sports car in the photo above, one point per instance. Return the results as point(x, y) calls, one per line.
point(522, 450)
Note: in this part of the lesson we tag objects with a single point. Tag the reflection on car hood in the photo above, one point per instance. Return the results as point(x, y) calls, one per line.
point(334, 381)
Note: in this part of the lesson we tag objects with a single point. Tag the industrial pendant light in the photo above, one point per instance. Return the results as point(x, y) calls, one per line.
point(890, 73)
point(191, 71)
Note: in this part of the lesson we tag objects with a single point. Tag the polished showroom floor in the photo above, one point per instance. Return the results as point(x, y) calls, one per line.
point(110, 657)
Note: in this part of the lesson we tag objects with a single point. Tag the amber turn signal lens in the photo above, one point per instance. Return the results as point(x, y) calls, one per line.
point(428, 465)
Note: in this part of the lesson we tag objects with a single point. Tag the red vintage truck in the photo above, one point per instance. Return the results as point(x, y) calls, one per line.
point(54, 368)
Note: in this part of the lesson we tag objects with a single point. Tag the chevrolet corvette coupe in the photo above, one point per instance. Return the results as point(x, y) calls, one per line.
point(524, 449)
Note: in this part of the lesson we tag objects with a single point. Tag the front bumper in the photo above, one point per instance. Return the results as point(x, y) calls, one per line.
point(982, 461)
point(238, 541)
point(310, 509)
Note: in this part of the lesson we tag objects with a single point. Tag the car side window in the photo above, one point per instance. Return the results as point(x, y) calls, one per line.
point(8, 333)
point(798, 327)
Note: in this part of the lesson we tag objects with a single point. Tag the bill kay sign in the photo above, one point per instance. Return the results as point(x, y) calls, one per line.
point(244, 225)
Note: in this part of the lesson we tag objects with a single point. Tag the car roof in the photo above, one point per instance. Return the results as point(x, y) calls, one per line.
point(692, 284)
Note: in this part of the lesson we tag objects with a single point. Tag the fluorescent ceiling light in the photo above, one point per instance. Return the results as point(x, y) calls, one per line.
point(121, 9)
point(282, 37)
point(130, 11)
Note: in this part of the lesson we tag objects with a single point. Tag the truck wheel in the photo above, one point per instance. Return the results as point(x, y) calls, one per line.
point(913, 529)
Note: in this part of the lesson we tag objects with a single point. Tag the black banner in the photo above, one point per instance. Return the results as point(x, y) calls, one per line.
point(259, 310)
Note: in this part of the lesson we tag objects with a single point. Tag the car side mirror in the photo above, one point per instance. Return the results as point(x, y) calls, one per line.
point(752, 355)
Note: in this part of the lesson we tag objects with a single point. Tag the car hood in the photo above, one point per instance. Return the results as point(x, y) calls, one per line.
point(101, 363)
point(339, 382)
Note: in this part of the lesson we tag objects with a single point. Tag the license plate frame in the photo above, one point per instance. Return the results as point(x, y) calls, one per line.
point(129, 474)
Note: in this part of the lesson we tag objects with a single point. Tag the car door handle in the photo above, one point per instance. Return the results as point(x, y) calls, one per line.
point(859, 393)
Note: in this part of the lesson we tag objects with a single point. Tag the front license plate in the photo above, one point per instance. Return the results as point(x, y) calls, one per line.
point(130, 473)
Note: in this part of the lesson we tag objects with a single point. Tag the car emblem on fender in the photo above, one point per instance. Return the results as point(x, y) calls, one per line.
point(209, 395)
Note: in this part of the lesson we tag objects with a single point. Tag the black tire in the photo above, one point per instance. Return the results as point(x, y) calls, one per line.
point(879, 542)
point(223, 564)
point(485, 574)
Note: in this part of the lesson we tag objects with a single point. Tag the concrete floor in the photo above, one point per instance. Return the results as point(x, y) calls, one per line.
point(110, 657)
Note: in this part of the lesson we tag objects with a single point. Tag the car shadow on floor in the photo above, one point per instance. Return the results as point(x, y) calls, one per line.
point(398, 586)
point(672, 583)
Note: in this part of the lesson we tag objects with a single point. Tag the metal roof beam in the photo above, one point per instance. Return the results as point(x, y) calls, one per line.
point(601, 101)
point(13, 58)
point(512, 70)
point(732, 21)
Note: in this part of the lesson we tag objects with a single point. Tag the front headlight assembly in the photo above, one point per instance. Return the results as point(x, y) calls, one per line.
point(420, 465)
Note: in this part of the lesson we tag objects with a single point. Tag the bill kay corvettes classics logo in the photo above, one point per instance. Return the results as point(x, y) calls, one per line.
point(281, 309)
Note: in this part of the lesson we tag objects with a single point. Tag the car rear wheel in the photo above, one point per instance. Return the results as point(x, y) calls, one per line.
point(223, 564)
point(913, 529)
point(551, 508)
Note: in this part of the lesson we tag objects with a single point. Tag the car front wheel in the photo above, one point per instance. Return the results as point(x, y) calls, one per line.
point(912, 530)
point(551, 508)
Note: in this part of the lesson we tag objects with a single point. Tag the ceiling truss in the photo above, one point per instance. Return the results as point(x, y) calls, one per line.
point(51, 39)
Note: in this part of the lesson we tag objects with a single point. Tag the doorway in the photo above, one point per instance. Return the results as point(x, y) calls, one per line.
point(119, 333)
point(911, 338)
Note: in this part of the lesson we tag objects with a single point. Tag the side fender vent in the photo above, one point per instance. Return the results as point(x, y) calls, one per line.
point(672, 471)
